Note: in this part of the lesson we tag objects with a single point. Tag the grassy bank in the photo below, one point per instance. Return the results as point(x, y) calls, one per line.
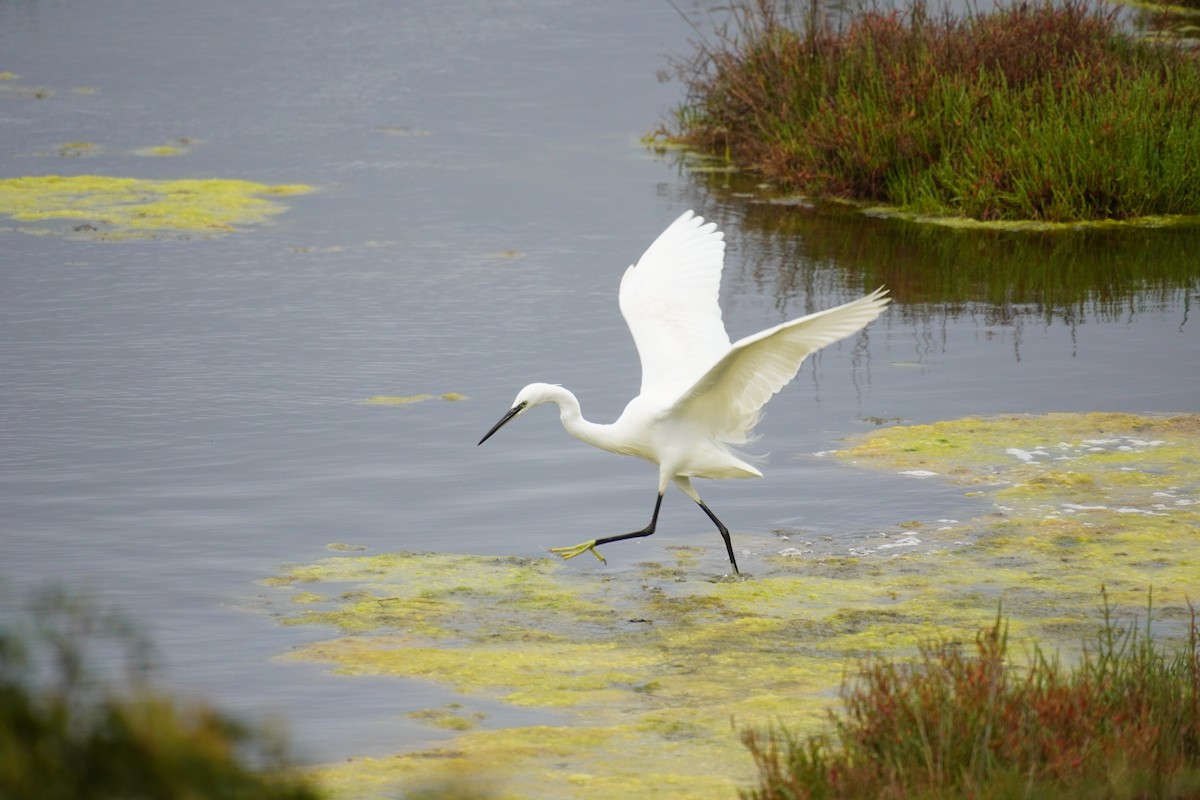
point(1032, 112)
point(1125, 723)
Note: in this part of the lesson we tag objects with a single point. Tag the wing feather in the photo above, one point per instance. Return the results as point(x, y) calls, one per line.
point(670, 302)
point(728, 397)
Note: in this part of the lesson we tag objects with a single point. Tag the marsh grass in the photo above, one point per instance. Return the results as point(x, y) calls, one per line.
point(1042, 111)
point(1123, 723)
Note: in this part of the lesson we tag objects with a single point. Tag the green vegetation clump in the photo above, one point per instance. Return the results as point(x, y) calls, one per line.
point(1038, 111)
point(1124, 723)
point(67, 734)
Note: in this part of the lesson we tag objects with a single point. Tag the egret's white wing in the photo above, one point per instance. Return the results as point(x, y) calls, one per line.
point(669, 301)
point(728, 397)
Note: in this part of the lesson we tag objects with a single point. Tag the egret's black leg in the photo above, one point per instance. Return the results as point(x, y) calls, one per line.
point(724, 535)
point(646, 531)
point(571, 552)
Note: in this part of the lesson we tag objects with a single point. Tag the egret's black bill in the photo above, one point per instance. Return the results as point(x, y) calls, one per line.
point(512, 412)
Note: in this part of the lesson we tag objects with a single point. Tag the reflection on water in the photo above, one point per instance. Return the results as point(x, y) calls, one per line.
point(1177, 20)
point(1070, 275)
point(1095, 318)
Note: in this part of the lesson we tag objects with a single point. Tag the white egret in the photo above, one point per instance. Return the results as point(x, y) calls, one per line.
point(700, 395)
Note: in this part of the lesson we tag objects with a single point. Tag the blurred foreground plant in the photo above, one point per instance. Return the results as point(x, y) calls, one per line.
point(67, 732)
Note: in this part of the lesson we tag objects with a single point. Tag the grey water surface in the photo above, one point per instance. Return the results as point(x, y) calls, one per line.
point(181, 417)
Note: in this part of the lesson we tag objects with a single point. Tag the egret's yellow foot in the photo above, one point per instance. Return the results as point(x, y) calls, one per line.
point(571, 552)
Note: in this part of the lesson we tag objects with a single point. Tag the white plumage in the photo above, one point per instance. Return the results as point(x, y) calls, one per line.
point(699, 393)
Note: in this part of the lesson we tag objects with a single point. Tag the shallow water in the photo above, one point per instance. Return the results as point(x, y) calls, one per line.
point(180, 416)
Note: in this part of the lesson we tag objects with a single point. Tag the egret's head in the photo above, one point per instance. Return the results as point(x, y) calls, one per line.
point(532, 395)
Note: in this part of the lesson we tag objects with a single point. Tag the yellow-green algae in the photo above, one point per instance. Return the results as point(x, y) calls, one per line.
point(449, 718)
point(1079, 500)
point(175, 147)
point(1031, 225)
point(132, 208)
point(654, 671)
point(160, 150)
point(393, 400)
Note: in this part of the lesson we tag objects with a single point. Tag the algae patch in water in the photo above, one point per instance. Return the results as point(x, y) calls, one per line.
point(393, 400)
point(448, 718)
point(655, 670)
point(175, 147)
point(648, 676)
point(160, 150)
point(1079, 500)
point(1034, 226)
point(102, 207)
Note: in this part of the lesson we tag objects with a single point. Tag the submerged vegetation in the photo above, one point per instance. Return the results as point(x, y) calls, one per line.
point(1123, 723)
point(68, 732)
point(1039, 111)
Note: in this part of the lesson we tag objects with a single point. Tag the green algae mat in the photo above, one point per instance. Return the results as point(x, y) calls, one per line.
point(648, 676)
point(118, 209)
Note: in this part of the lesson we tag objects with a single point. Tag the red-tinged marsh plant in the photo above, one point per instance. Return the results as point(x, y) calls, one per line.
point(1040, 110)
point(1123, 723)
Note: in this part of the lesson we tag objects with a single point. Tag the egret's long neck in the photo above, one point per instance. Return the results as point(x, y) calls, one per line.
point(593, 433)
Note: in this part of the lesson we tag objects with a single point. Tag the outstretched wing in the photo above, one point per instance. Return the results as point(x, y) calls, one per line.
point(669, 301)
point(728, 397)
